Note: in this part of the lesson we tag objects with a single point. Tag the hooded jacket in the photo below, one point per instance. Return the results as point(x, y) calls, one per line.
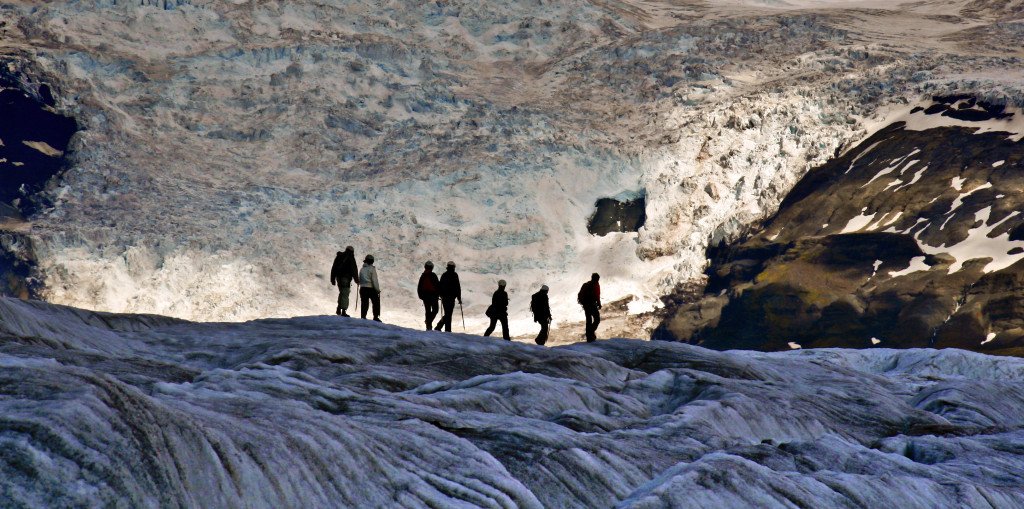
point(499, 304)
point(450, 287)
point(368, 277)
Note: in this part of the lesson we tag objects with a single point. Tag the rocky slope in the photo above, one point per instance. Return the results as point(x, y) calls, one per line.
point(102, 410)
point(913, 238)
point(227, 149)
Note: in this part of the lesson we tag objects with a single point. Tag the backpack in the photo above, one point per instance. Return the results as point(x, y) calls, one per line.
point(427, 285)
point(586, 295)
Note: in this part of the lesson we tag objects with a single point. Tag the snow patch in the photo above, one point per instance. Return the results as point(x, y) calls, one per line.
point(979, 244)
point(916, 265)
point(858, 222)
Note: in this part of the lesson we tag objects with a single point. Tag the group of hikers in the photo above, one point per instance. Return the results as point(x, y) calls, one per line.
point(448, 291)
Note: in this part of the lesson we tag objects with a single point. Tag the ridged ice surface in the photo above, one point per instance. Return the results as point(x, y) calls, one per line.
point(135, 411)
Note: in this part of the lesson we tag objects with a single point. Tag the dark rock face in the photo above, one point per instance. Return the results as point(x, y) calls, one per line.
point(34, 139)
point(617, 216)
point(912, 239)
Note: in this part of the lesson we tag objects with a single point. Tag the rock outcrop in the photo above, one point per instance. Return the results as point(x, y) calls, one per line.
point(913, 238)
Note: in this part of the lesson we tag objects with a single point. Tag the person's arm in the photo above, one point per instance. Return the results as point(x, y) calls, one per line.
point(334, 271)
point(373, 277)
point(458, 289)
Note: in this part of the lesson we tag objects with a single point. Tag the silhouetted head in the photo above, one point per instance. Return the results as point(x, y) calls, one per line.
point(451, 265)
point(350, 249)
point(501, 283)
point(429, 265)
point(544, 288)
point(339, 253)
point(595, 276)
point(368, 259)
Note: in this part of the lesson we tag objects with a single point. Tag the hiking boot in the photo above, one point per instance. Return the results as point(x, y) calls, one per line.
point(376, 319)
point(344, 314)
point(337, 311)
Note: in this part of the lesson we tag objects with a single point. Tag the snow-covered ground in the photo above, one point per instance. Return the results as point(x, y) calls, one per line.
point(101, 410)
point(230, 148)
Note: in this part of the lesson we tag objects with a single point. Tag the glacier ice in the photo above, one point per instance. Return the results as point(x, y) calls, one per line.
point(113, 410)
point(230, 148)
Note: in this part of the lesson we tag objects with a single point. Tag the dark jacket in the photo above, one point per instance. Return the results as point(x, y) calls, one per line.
point(344, 267)
point(450, 287)
point(590, 295)
point(499, 304)
point(540, 307)
point(429, 287)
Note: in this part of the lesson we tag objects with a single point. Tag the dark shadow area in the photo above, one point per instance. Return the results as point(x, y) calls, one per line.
point(33, 140)
point(966, 108)
point(16, 268)
point(614, 216)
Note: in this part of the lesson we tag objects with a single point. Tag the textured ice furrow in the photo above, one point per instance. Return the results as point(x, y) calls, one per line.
point(323, 411)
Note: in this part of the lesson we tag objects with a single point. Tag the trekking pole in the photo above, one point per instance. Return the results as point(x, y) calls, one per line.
point(463, 313)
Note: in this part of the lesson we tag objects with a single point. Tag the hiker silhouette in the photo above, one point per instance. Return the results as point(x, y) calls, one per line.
point(428, 290)
point(369, 288)
point(590, 298)
point(450, 291)
point(498, 311)
point(343, 272)
point(541, 309)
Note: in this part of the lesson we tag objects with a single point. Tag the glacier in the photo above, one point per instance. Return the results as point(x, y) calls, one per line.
point(228, 149)
point(119, 410)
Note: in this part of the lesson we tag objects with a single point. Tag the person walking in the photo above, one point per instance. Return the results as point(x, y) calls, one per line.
point(343, 272)
point(590, 298)
point(450, 291)
point(428, 290)
point(369, 288)
point(498, 311)
point(541, 313)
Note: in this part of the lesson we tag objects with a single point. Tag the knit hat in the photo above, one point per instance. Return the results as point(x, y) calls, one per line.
point(429, 264)
point(543, 288)
point(451, 264)
point(368, 259)
point(501, 282)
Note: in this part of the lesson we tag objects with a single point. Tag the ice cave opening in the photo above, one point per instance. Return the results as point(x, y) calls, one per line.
point(618, 215)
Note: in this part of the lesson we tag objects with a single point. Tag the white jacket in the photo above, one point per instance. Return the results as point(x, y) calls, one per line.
point(368, 277)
